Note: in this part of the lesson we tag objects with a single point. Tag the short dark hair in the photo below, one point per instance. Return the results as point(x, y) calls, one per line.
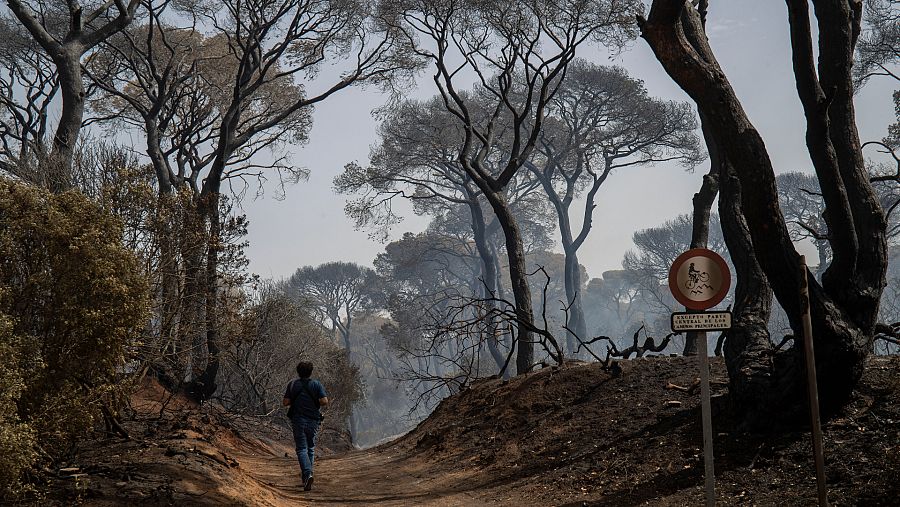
point(304, 369)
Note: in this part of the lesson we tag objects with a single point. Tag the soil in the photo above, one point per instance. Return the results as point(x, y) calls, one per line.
point(568, 436)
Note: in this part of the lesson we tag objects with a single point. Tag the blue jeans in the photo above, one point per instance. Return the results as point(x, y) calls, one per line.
point(305, 432)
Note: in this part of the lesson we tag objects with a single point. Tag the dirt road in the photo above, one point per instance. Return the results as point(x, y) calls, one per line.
point(367, 477)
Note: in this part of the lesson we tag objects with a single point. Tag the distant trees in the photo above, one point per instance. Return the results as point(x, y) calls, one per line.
point(617, 303)
point(276, 332)
point(498, 43)
point(845, 305)
point(800, 199)
point(385, 408)
point(600, 120)
point(337, 292)
point(878, 47)
point(425, 274)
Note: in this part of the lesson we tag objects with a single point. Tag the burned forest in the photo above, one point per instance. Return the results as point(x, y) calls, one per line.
point(449, 252)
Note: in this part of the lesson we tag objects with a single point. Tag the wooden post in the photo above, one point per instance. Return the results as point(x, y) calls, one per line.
point(812, 384)
point(706, 416)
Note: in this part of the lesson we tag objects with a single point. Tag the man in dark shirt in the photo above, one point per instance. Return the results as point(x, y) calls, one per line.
point(305, 397)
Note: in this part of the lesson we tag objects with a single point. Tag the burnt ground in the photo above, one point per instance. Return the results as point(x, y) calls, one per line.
point(567, 436)
point(576, 435)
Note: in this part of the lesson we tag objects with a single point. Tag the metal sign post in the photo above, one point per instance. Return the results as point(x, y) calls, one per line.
point(699, 279)
point(706, 416)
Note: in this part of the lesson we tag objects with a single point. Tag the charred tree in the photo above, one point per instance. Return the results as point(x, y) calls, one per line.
point(844, 306)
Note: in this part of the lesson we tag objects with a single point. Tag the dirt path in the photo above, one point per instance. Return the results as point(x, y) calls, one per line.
point(208, 458)
point(557, 437)
point(367, 477)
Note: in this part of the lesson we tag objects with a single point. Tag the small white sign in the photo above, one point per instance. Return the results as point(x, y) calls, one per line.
point(701, 321)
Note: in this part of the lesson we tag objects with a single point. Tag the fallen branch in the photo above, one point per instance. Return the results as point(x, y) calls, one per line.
point(612, 350)
point(689, 390)
point(649, 345)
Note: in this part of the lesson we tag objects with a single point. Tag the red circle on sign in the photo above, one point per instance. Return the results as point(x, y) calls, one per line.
point(699, 279)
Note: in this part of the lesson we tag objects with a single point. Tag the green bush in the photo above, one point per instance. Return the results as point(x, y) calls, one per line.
point(17, 439)
point(73, 299)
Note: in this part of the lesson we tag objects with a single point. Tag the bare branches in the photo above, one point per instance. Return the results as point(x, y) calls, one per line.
point(878, 48)
point(28, 86)
point(518, 53)
point(66, 47)
point(649, 345)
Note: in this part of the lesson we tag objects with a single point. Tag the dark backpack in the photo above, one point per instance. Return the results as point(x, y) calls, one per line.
point(315, 415)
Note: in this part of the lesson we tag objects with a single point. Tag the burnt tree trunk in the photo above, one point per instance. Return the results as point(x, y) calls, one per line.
point(747, 349)
point(518, 276)
point(204, 386)
point(844, 307)
point(157, 157)
point(203, 277)
point(71, 85)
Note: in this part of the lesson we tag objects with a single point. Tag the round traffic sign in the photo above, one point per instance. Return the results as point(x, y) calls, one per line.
point(699, 279)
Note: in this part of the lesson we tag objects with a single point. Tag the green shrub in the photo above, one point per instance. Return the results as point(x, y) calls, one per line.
point(17, 439)
point(73, 299)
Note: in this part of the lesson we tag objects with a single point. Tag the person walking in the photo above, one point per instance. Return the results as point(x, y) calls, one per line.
point(305, 397)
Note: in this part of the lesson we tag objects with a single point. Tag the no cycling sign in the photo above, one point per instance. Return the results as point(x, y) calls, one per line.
point(699, 279)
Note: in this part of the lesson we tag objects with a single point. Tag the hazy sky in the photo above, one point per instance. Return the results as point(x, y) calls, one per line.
point(750, 39)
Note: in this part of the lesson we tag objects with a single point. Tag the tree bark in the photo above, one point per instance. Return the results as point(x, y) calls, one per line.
point(576, 311)
point(844, 307)
point(157, 158)
point(519, 281)
point(68, 64)
point(747, 349)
